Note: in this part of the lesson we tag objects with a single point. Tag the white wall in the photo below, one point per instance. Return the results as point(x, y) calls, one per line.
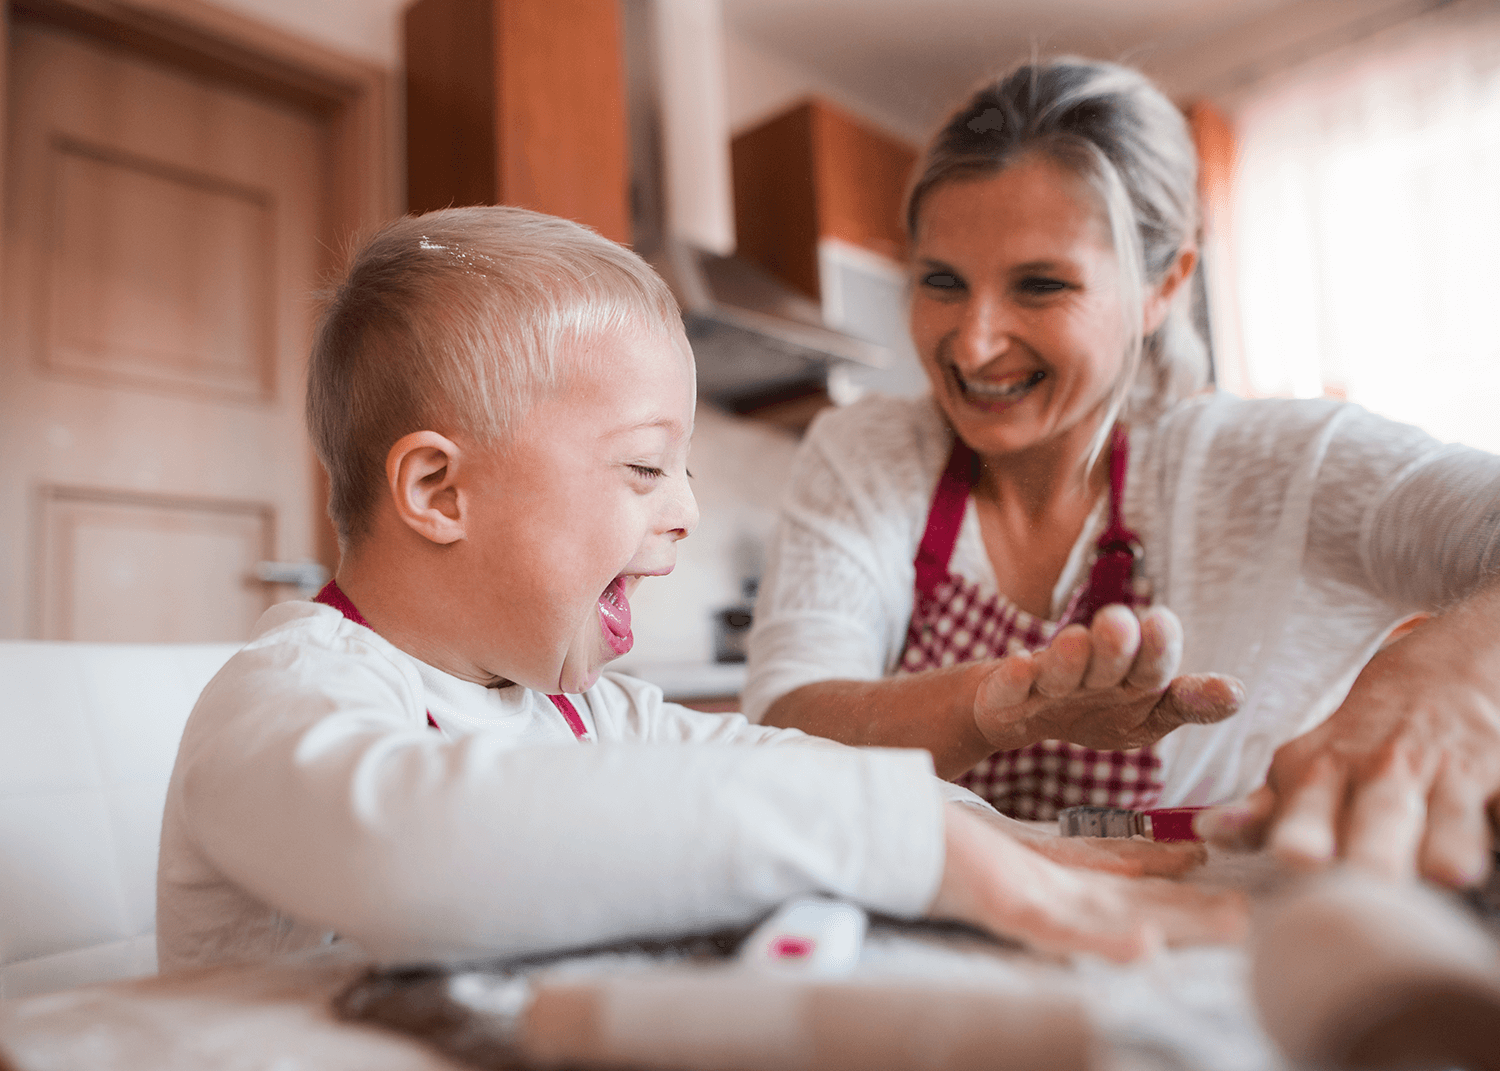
point(368, 29)
point(739, 468)
point(761, 84)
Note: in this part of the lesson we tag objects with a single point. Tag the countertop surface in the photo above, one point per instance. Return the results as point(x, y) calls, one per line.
point(1179, 1009)
point(690, 680)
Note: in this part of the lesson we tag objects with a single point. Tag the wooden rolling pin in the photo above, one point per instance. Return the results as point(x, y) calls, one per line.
point(728, 1019)
point(728, 1022)
point(1352, 972)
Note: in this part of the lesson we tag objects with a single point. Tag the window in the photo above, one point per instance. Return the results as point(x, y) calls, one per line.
point(1365, 230)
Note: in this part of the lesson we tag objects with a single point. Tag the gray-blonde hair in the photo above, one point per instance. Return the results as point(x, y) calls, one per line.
point(454, 321)
point(1110, 126)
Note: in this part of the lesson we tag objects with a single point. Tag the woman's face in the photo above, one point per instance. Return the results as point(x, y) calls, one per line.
point(1015, 307)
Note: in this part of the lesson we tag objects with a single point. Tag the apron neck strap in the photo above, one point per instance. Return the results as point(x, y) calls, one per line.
point(1119, 461)
point(951, 499)
point(333, 595)
point(946, 516)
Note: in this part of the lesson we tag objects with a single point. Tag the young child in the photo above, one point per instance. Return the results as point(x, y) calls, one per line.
point(427, 760)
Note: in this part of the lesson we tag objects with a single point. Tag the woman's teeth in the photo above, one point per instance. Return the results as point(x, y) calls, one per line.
point(1011, 387)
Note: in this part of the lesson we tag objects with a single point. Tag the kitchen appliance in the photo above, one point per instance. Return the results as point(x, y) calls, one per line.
point(753, 336)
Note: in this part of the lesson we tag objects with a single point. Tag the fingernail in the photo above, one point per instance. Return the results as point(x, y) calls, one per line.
point(1223, 823)
point(1200, 706)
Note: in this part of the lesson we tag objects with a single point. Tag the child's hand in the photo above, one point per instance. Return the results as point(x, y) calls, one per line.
point(1116, 855)
point(1109, 686)
point(992, 881)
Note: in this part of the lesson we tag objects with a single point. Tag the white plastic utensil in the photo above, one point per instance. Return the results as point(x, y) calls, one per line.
point(810, 937)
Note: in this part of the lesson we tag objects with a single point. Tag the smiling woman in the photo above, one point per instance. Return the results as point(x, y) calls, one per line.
point(944, 567)
point(1016, 307)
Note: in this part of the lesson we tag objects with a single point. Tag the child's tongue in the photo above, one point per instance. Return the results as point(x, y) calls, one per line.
point(614, 616)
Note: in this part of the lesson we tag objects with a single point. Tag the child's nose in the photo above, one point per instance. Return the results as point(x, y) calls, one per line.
point(682, 513)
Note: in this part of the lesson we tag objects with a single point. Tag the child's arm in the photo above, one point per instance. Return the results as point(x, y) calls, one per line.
point(308, 785)
point(634, 709)
point(316, 791)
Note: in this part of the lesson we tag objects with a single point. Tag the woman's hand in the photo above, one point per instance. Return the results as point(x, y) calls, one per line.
point(992, 881)
point(1109, 686)
point(1404, 777)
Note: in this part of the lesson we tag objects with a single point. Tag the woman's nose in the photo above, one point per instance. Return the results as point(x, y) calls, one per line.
point(981, 335)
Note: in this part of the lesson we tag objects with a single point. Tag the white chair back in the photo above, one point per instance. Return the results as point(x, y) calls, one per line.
point(88, 735)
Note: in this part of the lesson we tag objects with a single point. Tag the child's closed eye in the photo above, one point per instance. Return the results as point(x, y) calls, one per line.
point(649, 472)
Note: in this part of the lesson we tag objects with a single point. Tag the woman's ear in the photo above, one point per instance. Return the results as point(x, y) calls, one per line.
point(422, 470)
point(1159, 300)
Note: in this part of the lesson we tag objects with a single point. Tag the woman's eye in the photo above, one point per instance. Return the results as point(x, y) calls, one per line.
point(1038, 284)
point(941, 280)
point(648, 472)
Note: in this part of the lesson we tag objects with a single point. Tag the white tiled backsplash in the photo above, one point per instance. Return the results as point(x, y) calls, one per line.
point(739, 469)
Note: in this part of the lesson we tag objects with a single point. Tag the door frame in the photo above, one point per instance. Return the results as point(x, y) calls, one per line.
point(358, 99)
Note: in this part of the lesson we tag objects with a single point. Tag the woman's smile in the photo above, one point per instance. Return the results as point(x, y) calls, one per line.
point(1000, 392)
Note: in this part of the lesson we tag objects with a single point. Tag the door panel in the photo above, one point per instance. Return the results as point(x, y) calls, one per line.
point(159, 276)
point(116, 566)
point(161, 251)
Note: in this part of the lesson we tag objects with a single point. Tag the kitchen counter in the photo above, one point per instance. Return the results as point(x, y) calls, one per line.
point(711, 686)
point(1316, 951)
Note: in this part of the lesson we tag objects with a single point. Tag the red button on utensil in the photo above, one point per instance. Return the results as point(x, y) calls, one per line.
point(789, 947)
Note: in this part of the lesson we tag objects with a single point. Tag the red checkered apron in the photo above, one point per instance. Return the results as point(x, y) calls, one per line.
point(954, 621)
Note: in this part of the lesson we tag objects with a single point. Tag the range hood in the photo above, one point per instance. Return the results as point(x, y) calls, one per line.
point(755, 338)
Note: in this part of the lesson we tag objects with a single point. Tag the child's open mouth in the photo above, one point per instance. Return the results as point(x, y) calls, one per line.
point(614, 617)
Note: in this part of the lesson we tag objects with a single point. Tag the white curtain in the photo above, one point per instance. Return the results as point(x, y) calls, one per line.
point(1363, 255)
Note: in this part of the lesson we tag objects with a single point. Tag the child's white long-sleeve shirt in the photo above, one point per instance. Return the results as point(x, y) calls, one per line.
point(310, 797)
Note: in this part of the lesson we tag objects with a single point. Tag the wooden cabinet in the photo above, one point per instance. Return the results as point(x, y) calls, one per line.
point(519, 102)
point(817, 172)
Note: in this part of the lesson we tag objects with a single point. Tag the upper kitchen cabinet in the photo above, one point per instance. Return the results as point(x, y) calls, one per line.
point(519, 102)
point(815, 173)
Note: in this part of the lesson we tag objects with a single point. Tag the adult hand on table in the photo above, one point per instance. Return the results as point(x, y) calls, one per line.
point(993, 881)
point(1404, 777)
point(1129, 856)
point(1109, 686)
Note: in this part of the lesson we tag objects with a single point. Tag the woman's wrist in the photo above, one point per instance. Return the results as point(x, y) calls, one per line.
point(933, 710)
point(958, 690)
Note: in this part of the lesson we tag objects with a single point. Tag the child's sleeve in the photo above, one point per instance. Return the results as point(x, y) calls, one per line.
point(628, 708)
point(332, 803)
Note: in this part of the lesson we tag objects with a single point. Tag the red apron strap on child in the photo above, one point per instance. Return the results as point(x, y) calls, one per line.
point(333, 595)
point(570, 715)
point(946, 517)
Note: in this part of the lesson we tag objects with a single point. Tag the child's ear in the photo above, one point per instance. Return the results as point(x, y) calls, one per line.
point(421, 469)
point(1159, 298)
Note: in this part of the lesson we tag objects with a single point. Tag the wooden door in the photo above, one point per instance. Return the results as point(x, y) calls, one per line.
point(161, 249)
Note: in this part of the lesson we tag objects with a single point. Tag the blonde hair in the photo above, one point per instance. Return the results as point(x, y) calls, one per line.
point(1111, 127)
point(455, 321)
